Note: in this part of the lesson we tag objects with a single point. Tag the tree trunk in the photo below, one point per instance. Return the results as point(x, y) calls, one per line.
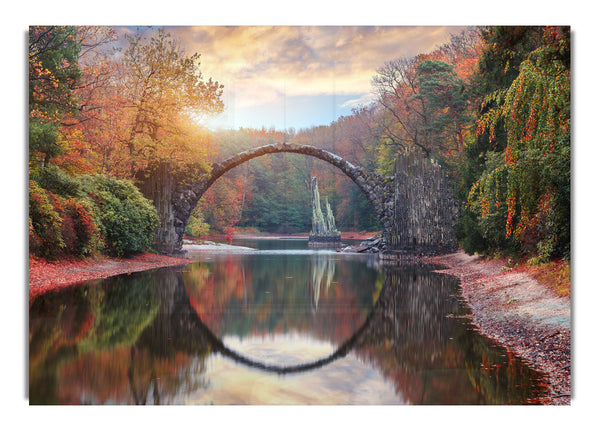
point(158, 185)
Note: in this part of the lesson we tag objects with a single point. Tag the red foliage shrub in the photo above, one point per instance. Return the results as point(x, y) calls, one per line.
point(68, 233)
point(229, 231)
point(59, 227)
point(86, 233)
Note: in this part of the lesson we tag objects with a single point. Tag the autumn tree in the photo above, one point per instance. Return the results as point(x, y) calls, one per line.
point(65, 216)
point(353, 140)
point(444, 102)
point(423, 101)
point(91, 137)
point(164, 91)
point(402, 115)
point(529, 188)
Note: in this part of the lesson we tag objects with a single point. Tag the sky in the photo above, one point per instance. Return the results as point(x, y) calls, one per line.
point(298, 76)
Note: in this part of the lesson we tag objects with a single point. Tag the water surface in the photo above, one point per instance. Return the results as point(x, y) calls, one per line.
point(281, 325)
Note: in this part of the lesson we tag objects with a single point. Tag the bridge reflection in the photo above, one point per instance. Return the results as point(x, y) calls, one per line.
point(141, 339)
point(405, 312)
point(180, 326)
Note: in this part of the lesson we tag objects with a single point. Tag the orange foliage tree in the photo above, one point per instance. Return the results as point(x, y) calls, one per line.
point(422, 100)
point(141, 106)
point(164, 96)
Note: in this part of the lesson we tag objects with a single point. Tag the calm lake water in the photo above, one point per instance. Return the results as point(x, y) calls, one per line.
point(281, 325)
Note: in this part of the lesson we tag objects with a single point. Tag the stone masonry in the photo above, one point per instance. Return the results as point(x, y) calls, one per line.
point(425, 210)
point(405, 221)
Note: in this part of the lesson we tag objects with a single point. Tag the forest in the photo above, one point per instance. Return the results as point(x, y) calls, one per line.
point(492, 106)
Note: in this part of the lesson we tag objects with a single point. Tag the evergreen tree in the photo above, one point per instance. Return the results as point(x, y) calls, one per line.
point(53, 75)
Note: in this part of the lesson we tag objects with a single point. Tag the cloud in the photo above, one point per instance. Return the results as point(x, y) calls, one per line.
point(306, 57)
point(365, 99)
point(260, 65)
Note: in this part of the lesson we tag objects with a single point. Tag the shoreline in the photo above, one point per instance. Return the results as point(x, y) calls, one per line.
point(45, 276)
point(512, 308)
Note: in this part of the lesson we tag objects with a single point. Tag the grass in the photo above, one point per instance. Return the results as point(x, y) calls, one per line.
point(554, 274)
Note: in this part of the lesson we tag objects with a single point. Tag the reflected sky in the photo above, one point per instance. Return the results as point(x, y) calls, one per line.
point(269, 328)
point(348, 381)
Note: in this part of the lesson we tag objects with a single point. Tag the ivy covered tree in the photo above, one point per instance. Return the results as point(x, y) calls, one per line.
point(531, 182)
point(504, 48)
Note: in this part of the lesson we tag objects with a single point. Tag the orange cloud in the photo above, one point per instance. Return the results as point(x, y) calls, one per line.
point(309, 60)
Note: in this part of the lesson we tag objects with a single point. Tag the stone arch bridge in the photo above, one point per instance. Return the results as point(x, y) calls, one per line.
point(176, 195)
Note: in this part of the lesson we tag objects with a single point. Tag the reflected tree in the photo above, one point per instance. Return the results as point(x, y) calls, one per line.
point(98, 344)
point(422, 339)
point(127, 308)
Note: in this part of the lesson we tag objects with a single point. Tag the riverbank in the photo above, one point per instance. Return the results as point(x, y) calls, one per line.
point(517, 311)
point(45, 276)
point(212, 246)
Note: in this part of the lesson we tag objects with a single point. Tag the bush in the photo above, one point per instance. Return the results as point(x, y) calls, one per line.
point(126, 218)
point(60, 226)
point(53, 179)
point(86, 236)
point(469, 234)
point(196, 225)
point(79, 216)
point(35, 242)
point(45, 224)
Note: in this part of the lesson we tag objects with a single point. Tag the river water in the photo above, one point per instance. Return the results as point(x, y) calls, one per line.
point(279, 325)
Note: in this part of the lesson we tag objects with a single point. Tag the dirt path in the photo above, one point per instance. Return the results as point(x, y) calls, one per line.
point(511, 307)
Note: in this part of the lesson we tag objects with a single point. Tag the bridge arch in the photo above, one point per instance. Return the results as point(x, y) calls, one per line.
point(176, 201)
point(342, 350)
point(363, 179)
